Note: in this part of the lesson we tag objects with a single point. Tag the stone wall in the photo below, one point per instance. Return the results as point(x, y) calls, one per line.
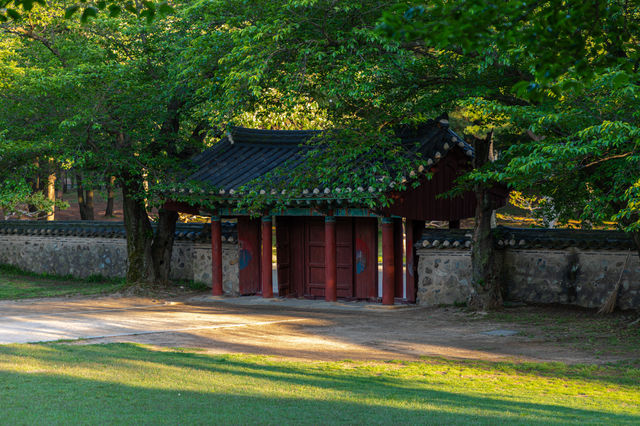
point(85, 256)
point(565, 275)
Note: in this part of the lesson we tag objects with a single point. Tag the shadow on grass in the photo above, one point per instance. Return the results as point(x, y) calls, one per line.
point(362, 398)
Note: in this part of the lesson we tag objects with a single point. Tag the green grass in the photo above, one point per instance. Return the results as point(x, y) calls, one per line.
point(125, 383)
point(583, 329)
point(18, 284)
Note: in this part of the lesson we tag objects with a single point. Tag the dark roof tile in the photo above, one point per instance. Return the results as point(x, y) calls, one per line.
point(247, 154)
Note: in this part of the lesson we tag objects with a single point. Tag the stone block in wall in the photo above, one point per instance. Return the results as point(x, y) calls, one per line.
point(444, 277)
point(202, 267)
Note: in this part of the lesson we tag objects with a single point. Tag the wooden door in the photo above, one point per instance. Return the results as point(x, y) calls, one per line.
point(344, 257)
point(248, 255)
point(290, 256)
point(283, 252)
point(366, 258)
point(314, 257)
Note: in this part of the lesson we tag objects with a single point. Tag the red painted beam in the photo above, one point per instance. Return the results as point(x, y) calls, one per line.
point(330, 261)
point(267, 273)
point(388, 263)
point(216, 256)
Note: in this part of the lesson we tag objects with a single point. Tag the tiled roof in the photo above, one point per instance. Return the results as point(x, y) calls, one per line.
point(247, 154)
point(530, 238)
point(97, 229)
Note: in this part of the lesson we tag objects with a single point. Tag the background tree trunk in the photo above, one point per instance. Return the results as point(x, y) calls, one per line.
point(51, 193)
point(485, 262)
point(110, 196)
point(64, 175)
point(85, 200)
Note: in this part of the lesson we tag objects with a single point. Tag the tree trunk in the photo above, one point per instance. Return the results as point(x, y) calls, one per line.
point(89, 211)
point(51, 194)
point(139, 234)
point(485, 262)
point(162, 246)
point(81, 202)
point(110, 196)
point(85, 200)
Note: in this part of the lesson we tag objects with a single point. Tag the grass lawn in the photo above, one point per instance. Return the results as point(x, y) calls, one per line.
point(17, 284)
point(126, 383)
point(583, 329)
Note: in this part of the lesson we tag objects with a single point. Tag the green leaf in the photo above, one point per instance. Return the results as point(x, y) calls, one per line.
point(131, 7)
point(164, 8)
point(70, 11)
point(114, 10)
point(89, 12)
point(620, 80)
point(14, 14)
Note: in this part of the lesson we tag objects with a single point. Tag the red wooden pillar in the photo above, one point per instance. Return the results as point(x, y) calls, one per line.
point(398, 251)
point(388, 263)
point(267, 272)
point(216, 256)
point(330, 261)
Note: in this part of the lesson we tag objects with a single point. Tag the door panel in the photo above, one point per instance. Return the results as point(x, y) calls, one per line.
point(283, 252)
point(248, 255)
point(291, 256)
point(344, 257)
point(314, 249)
point(366, 258)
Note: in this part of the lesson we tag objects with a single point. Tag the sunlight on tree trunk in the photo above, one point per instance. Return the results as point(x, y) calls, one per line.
point(51, 193)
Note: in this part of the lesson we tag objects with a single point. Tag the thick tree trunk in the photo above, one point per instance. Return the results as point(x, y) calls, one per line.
point(162, 246)
point(485, 262)
point(110, 196)
point(139, 234)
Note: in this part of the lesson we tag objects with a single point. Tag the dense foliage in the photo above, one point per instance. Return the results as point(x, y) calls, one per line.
point(572, 132)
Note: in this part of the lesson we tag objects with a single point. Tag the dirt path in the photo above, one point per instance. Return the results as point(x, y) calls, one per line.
point(291, 328)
